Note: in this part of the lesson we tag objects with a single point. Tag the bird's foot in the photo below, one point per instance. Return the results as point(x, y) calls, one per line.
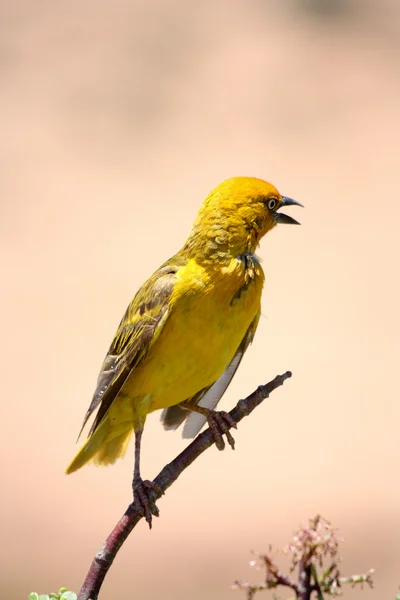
point(220, 422)
point(142, 498)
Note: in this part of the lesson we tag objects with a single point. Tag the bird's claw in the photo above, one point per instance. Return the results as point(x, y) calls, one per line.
point(142, 492)
point(220, 422)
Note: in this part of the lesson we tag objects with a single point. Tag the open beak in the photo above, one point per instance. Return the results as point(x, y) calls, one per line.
point(282, 218)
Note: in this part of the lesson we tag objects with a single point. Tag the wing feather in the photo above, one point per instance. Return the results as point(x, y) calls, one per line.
point(138, 330)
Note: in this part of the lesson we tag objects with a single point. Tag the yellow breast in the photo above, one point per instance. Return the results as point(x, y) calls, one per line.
point(210, 312)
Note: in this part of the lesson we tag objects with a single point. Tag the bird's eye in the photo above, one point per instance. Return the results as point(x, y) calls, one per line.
point(272, 203)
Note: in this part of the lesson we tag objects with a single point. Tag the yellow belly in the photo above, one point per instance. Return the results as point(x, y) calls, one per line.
point(210, 313)
point(200, 337)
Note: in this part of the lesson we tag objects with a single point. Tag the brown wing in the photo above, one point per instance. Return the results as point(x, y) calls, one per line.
point(139, 328)
point(208, 397)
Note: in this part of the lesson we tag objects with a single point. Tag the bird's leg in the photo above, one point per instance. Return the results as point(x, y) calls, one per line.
point(142, 488)
point(218, 421)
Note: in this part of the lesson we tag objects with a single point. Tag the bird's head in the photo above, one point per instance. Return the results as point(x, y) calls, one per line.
point(239, 212)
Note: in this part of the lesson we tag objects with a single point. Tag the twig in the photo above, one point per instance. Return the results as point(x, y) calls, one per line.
point(170, 473)
point(311, 545)
point(274, 577)
point(355, 579)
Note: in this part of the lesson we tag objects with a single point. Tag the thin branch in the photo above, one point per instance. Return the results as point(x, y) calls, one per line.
point(355, 579)
point(170, 473)
point(274, 577)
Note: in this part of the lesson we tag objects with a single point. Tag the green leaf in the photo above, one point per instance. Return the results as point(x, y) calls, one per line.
point(69, 596)
point(62, 590)
point(397, 597)
point(44, 597)
point(33, 596)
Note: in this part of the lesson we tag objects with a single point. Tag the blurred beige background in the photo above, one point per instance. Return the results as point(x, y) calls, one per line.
point(117, 118)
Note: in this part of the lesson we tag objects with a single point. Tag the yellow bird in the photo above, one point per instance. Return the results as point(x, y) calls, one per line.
point(185, 332)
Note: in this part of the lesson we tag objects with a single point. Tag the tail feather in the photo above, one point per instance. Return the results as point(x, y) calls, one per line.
point(113, 449)
point(104, 446)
